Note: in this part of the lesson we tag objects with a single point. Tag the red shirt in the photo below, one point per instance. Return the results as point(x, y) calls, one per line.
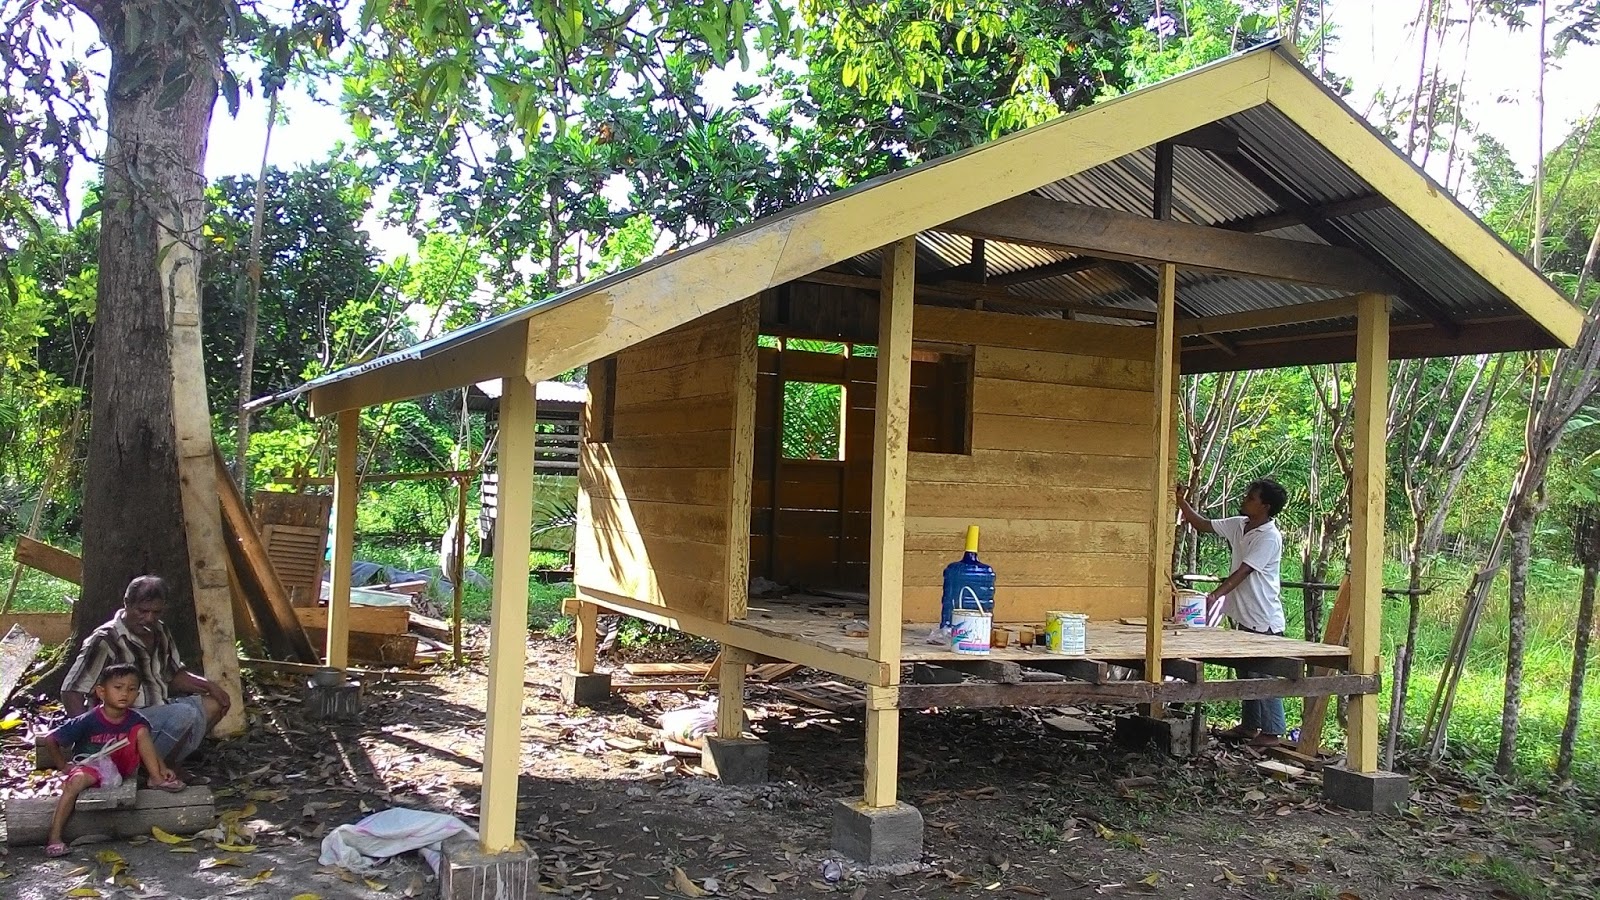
point(86, 734)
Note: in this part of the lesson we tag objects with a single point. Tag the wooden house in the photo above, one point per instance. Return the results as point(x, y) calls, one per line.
point(1011, 321)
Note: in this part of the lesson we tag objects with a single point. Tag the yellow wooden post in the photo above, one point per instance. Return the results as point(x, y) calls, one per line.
point(508, 617)
point(1366, 523)
point(730, 691)
point(585, 625)
point(1161, 517)
point(344, 538)
point(891, 430)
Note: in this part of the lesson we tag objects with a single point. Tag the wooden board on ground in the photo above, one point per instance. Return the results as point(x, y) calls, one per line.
point(27, 820)
point(1072, 726)
point(49, 560)
point(50, 628)
point(427, 626)
point(370, 619)
point(647, 670)
point(833, 696)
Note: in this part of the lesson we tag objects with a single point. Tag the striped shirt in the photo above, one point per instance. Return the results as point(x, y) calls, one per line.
point(112, 643)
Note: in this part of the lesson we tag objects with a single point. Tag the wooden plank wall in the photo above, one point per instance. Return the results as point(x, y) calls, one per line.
point(654, 502)
point(1059, 475)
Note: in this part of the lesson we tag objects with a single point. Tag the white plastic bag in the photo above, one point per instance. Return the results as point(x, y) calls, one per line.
point(365, 845)
point(689, 725)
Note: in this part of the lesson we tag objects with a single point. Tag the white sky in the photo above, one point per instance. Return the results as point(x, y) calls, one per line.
point(1376, 47)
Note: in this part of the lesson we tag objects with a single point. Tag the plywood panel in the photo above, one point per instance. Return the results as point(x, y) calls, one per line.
point(1007, 468)
point(964, 326)
point(1027, 433)
point(1060, 368)
point(1033, 534)
point(1062, 401)
point(932, 498)
point(1037, 569)
point(703, 450)
point(663, 485)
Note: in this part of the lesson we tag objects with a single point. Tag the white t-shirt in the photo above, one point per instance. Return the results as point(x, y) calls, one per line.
point(1257, 603)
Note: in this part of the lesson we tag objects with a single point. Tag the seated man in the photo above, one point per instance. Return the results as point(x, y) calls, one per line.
point(180, 706)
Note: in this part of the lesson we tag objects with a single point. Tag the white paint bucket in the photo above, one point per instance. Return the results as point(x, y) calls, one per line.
point(1191, 609)
point(970, 628)
point(1066, 632)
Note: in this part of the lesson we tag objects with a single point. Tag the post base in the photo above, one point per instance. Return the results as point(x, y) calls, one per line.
point(1171, 735)
point(333, 702)
point(467, 873)
point(1379, 792)
point(580, 689)
point(736, 760)
point(877, 836)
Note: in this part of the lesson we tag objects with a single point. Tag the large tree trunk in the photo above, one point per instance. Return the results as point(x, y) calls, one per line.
point(152, 209)
point(1580, 664)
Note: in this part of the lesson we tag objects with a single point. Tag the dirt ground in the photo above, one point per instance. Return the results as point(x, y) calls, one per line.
point(1013, 808)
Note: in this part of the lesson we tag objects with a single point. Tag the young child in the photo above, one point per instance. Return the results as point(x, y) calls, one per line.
point(111, 740)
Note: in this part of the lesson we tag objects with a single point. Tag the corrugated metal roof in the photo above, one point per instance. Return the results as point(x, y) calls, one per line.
point(1275, 170)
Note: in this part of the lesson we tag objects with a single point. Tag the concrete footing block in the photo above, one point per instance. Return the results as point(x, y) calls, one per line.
point(736, 760)
point(1171, 735)
point(336, 702)
point(467, 873)
point(1379, 792)
point(877, 836)
point(581, 689)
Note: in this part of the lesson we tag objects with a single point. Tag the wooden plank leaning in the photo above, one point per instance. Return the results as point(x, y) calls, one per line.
point(240, 530)
point(1316, 708)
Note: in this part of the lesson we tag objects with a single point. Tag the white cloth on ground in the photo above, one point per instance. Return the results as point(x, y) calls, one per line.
point(365, 845)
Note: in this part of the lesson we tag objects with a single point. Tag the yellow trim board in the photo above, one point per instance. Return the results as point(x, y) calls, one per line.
point(1294, 92)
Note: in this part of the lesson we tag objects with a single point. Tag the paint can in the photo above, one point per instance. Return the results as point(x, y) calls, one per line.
point(1191, 609)
point(970, 627)
point(1066, 632)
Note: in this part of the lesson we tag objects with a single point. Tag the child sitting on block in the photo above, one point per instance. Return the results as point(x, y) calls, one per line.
point(111, 740)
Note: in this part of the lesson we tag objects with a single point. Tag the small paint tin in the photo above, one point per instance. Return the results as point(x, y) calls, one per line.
point(1066, 632)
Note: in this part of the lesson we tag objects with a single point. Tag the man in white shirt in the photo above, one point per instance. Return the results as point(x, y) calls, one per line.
point(1251, 594)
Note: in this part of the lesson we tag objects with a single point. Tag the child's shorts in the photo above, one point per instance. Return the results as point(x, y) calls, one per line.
point(101, 769)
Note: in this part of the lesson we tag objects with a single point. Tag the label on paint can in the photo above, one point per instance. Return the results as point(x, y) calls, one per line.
point(970, 630)
point(1066, 632)
point(1191, 609)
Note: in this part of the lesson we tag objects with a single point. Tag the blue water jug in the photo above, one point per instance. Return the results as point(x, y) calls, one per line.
point(967, 572)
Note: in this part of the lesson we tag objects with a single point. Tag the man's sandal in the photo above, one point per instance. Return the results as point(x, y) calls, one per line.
point(56, 849)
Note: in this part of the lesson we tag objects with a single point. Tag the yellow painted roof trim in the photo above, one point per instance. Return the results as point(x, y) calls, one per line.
point(1297, 94)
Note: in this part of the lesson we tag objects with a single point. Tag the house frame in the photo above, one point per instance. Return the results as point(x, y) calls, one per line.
point(1238, 216)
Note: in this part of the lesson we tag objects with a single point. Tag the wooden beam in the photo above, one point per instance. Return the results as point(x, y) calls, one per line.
point(381, 477)
point(1367, 493)
point(1316, 311)
point(1040, 222)
point(472, 359)
point(1416, 341)
point(742, 466)
point(1215, 137)
point(810, 655)
point(1161, 520)
point(953, 291)
point(586, 633)
point(1056, 693)
point(730, 691)
point(1305, 215)
point(1305, 101)
point(885, 587)
point(49, 560)
point(241, 529)
point(347, 444)
point(508, 615)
